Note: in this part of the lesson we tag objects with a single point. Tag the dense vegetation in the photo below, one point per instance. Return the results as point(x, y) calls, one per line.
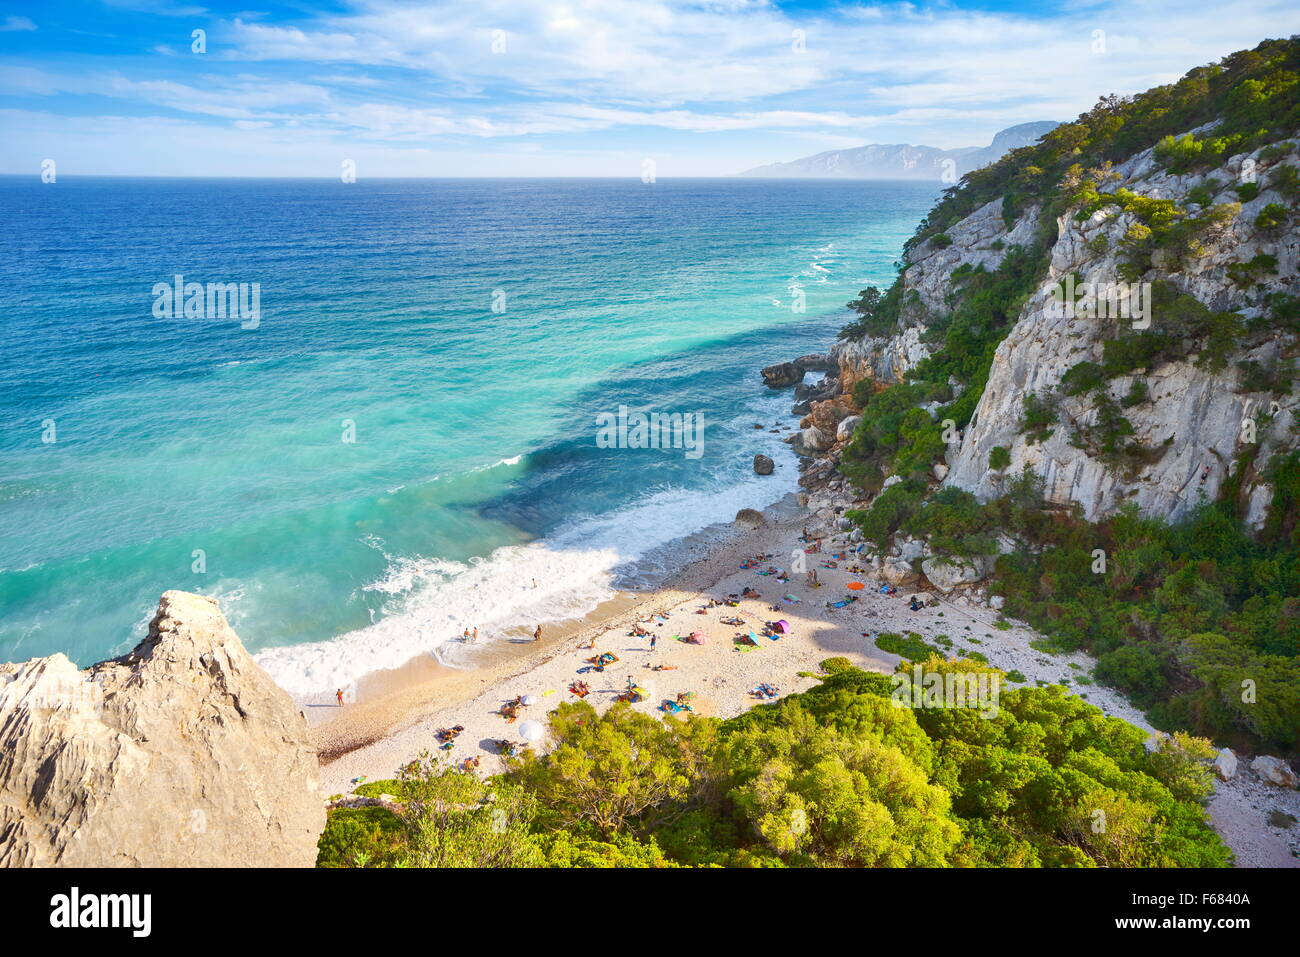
point(1197, 622)
point(1249, 99)
point(838, 776)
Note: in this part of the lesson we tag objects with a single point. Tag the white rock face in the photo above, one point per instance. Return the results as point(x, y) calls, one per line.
point(1195, 416)
point(946, 576)
point(1225, 764)
point(975, 240)
point(1192, 423)
point(182, 753)
point(844, 431)
point(1275, 771)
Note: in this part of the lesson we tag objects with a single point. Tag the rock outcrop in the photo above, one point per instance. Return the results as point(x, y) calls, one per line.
point(946, 576)
point(1189, 423)
point(182, 753)
point(782, 375)
point(1275, 771)
point(763, 465)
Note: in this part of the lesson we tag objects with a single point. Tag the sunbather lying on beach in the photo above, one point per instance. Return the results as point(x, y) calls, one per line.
point(448, 734)
point(580, 688)
point(510, 710)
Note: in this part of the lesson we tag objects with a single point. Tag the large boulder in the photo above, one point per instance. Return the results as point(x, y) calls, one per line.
point(899, 573)
point(182, 753)
point(763, 465)
point(1275, 771)
point(844, 431)
point(1225, 764)
point(813, 439)
point(750, 517)
point(782, 375)
point(947, 575)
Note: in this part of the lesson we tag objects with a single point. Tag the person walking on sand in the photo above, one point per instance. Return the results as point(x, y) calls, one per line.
point(654, 639)
point(339, 694)
point(537, 635)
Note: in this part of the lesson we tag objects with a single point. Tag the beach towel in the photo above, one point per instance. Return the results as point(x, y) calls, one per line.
point(791, 598)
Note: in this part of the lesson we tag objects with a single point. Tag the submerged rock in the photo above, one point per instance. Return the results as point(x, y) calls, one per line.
point(182, 753)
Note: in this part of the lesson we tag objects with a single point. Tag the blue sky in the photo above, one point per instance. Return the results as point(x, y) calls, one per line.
point(566, 87)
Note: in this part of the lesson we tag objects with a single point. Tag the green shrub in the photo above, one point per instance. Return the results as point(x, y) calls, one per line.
point(910, 646)
point(1246, 191)
point(1271, 219)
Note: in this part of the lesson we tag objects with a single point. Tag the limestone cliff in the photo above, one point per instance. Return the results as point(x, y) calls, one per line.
point(1189, 428)
point(182, 753)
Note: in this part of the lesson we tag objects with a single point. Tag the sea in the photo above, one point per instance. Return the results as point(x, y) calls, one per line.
point(421, 415)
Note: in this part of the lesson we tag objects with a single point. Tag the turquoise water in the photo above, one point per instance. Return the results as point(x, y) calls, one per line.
point(202, 455)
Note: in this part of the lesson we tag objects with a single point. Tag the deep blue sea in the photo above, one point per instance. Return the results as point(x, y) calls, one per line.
point(406, 440)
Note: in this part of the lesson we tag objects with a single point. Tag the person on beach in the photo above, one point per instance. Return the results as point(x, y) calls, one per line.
point(339, 694)
point(537, 635)
point(653, 640)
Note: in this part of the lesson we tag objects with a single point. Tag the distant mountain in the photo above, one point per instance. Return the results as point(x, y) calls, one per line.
point(902, 161)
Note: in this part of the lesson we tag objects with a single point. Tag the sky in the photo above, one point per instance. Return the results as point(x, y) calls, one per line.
point(566, 87)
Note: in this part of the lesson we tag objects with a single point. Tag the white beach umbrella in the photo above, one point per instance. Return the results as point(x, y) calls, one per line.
point(530, 699)
point(531, 731)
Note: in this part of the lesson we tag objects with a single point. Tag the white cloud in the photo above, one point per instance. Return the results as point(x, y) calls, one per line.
point(423, 77)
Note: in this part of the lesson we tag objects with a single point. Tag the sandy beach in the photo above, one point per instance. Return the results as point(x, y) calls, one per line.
point(400, 712)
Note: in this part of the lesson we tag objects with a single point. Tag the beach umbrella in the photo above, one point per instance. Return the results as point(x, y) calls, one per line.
point(531, 731)
point(530, 699)
point(856, 586)
point(783, 626)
